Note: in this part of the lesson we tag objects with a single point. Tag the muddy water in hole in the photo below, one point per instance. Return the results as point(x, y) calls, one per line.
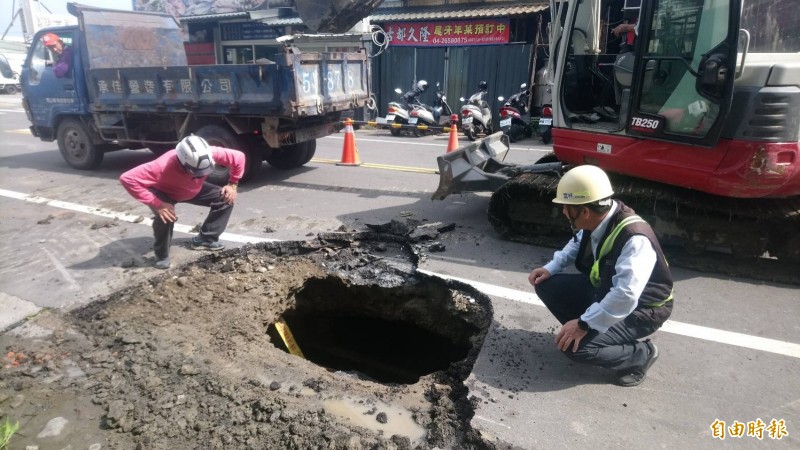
point(364, 415)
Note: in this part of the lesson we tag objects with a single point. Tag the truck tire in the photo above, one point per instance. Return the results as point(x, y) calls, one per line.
point(311, 150)
point(76, 145)
point(11, 89)
point(221, 136)
point(292, 156)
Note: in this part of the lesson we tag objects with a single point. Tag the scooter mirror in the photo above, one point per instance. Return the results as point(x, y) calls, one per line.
point(437, 84)
point(444, 97)
point(398, 90)
point(523, 86)
point(501, 98)
point(462, 99)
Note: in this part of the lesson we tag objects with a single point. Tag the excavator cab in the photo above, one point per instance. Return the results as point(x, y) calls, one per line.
point(677, 83)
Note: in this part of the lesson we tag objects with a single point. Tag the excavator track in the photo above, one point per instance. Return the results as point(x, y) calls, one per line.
point(689, 224)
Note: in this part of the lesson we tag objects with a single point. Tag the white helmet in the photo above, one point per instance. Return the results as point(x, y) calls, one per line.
point(582, 185)
point(422, 85)
point(195, 156)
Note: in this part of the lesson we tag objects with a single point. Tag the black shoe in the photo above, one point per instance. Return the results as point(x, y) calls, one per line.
point(635, 377)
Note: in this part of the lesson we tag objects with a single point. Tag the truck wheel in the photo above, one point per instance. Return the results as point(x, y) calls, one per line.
point(290, 156)
point(220, 136)
point(311, 150)
point(76, 146)
point(11, 89)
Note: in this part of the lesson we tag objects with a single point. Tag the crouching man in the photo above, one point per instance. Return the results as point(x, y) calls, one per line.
point(623, 291)
point(179, 175)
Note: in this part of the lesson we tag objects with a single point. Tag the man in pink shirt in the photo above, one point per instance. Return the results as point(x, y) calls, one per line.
point(179, 175)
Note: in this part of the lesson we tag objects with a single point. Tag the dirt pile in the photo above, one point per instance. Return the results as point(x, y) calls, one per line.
point(186, 360)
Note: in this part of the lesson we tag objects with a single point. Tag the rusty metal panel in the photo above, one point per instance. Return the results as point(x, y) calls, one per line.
point(329, 82)
point(299, 85)
point(131, 39)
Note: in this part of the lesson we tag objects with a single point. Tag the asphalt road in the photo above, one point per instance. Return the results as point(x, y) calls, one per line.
point(731, 351)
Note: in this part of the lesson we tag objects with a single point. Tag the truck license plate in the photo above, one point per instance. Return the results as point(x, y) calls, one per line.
point(505, 122)
point(467, 120)
point(390, 118)
point(546, 121)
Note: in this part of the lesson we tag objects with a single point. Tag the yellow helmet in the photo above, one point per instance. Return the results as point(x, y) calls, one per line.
point(582, 185)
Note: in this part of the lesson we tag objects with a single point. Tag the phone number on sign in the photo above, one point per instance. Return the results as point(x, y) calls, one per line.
point(467, 40)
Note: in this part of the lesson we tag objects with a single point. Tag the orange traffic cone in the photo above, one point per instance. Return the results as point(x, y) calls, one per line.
point(349, 149)
point(452, 144)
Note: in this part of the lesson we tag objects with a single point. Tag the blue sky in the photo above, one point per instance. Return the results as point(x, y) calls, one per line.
point(55, 6)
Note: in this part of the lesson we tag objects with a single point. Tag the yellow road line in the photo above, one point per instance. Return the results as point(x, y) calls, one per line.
point(382, 166)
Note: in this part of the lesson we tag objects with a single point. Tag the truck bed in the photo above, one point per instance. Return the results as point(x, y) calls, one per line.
point(136, 63)
point(297, 86)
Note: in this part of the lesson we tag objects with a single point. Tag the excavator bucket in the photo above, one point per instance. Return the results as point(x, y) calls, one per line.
point(476, 167)
point(333, 16)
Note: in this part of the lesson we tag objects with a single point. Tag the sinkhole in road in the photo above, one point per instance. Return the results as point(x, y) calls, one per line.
point(386, 334)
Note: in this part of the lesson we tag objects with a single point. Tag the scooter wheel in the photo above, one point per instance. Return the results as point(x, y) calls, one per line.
point(546, 137)
point(471, 134)
point(395, 131)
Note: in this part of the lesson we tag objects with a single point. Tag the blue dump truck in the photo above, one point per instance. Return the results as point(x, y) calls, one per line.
point(129, 87)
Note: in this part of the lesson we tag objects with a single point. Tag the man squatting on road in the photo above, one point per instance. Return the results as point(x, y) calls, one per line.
point(179, 175)
point(623, 291)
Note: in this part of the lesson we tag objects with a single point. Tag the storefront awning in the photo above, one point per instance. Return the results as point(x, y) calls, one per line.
point(458, 12)
point(462, 11)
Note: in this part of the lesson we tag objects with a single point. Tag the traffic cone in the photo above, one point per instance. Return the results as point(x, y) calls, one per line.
point(349, 149)
point(452, 144)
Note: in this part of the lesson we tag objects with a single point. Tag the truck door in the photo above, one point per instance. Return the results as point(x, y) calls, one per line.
point(50, 93)
point(684, 70)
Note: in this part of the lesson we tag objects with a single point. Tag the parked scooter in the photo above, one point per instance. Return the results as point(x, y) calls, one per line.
point(399, 113)
point(514, 118)
point(476, 117)
point(435, 117)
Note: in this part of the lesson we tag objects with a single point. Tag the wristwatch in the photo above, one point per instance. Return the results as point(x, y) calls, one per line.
point(583, 325)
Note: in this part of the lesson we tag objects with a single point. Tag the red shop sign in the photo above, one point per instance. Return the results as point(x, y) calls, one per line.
point(448, 33)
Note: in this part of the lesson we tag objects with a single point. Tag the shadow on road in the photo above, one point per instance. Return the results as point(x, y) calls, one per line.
point(516, 360)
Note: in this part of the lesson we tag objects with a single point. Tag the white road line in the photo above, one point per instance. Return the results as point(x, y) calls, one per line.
point(73, 285)
point(679, 328)
point(670, 326)
point(492, 421)
point(13, 110)
point(102, 212)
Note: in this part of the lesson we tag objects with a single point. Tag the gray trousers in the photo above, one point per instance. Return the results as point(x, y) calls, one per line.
point(568, 295)
point(216, 222)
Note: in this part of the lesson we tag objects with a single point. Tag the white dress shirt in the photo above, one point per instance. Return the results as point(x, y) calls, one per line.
point(633, 269)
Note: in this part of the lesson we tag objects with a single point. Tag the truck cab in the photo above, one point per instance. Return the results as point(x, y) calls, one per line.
point(129, 86)
point(49, 98)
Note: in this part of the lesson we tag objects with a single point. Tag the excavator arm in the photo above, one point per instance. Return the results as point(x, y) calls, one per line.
point(334, 16)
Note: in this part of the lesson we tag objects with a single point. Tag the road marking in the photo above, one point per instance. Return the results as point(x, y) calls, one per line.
point(671, 326)
point(382, 166)
point(20, 131)
point(102, 212)
point(13, 110)
point(443, 145)
point(73, 285)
